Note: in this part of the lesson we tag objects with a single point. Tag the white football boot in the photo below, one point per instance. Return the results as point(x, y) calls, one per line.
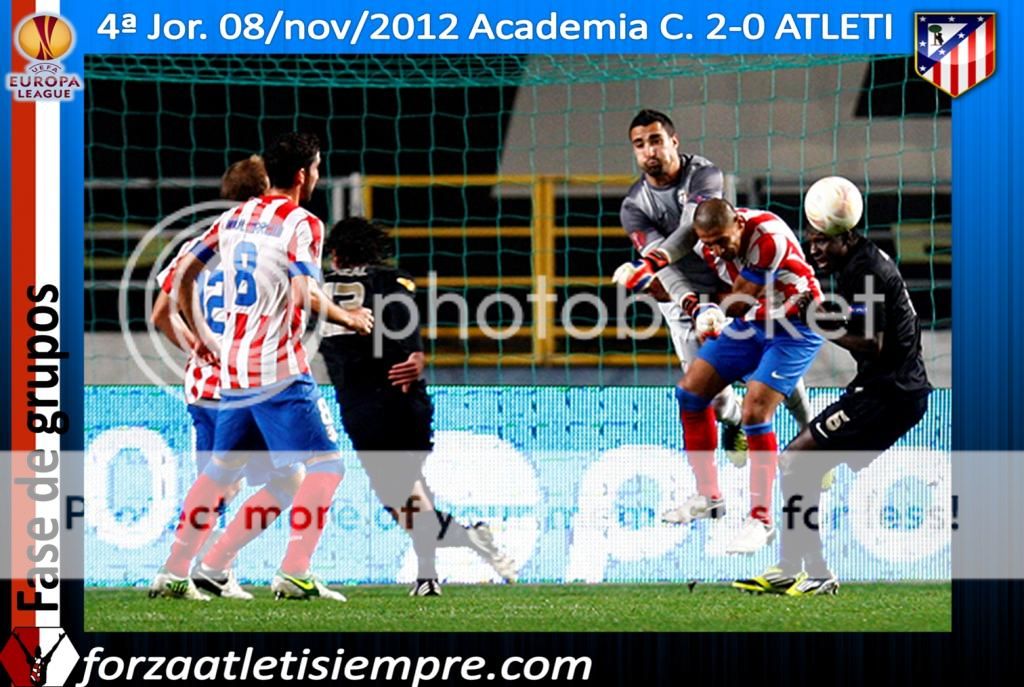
point(752, 537)
point(482, 538)
point(308, 586)
point(219, 583)
point(426, 587)
point(694, 508)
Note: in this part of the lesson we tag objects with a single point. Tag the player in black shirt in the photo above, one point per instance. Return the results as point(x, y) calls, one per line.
point(385, 408)
point(887, 397)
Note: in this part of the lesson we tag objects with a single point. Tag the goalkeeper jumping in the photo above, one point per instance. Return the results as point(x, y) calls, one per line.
point(657, 214)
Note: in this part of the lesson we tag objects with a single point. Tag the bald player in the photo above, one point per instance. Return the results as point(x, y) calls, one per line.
point(884, 401)
point(765, 343)
point(657, 215)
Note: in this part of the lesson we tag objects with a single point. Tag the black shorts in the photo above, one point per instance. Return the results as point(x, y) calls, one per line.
point(392, 433)
point(389, 420)
point(869, 420)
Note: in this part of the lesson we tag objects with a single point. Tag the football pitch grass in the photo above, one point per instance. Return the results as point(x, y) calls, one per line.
point(536, 608)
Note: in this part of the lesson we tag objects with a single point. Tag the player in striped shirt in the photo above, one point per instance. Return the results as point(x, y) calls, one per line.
point(242, 180)
point(765, 343)
point(270, 251)
point(657, 215)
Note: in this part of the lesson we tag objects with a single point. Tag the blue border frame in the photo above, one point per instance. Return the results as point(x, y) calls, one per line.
point(987, 294)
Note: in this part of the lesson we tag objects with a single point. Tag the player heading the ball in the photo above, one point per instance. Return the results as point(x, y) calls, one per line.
point(885, 400)
point(657, 216)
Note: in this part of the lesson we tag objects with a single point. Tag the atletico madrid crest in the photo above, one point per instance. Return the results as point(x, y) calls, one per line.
point(955, 51)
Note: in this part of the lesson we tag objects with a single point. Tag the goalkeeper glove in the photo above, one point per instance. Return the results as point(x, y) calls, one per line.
point(708, 321)
point(638, 274)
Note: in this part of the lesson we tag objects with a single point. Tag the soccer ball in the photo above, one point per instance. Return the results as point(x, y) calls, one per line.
point(833, 205)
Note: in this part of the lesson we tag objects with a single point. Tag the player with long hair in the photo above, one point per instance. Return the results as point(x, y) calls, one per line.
point(385, 407)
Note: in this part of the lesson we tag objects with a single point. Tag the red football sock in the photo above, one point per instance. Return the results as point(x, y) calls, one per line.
point(257, 514)
point(308, 518)
point(764, 463)
point(198, 516)
point(700, 433)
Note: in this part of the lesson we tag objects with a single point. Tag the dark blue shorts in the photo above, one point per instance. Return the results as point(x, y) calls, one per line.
point(296, 423)
point(744, 350)
point(867, 422)
point(258, 470)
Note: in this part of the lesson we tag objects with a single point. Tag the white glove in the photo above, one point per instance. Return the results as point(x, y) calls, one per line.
point(708, 321)
point(624, 273)
point(637, 275)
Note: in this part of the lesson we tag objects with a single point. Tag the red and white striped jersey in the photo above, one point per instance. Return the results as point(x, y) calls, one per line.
point(263, 243)
point(771, 255)
point(202, 380)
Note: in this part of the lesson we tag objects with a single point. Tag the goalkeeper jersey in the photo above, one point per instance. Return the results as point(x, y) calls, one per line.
point(663, 218)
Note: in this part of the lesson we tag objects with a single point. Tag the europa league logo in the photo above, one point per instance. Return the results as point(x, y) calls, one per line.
point(43, 38)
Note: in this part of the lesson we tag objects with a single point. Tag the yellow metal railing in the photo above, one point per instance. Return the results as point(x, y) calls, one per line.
point(544, 279)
